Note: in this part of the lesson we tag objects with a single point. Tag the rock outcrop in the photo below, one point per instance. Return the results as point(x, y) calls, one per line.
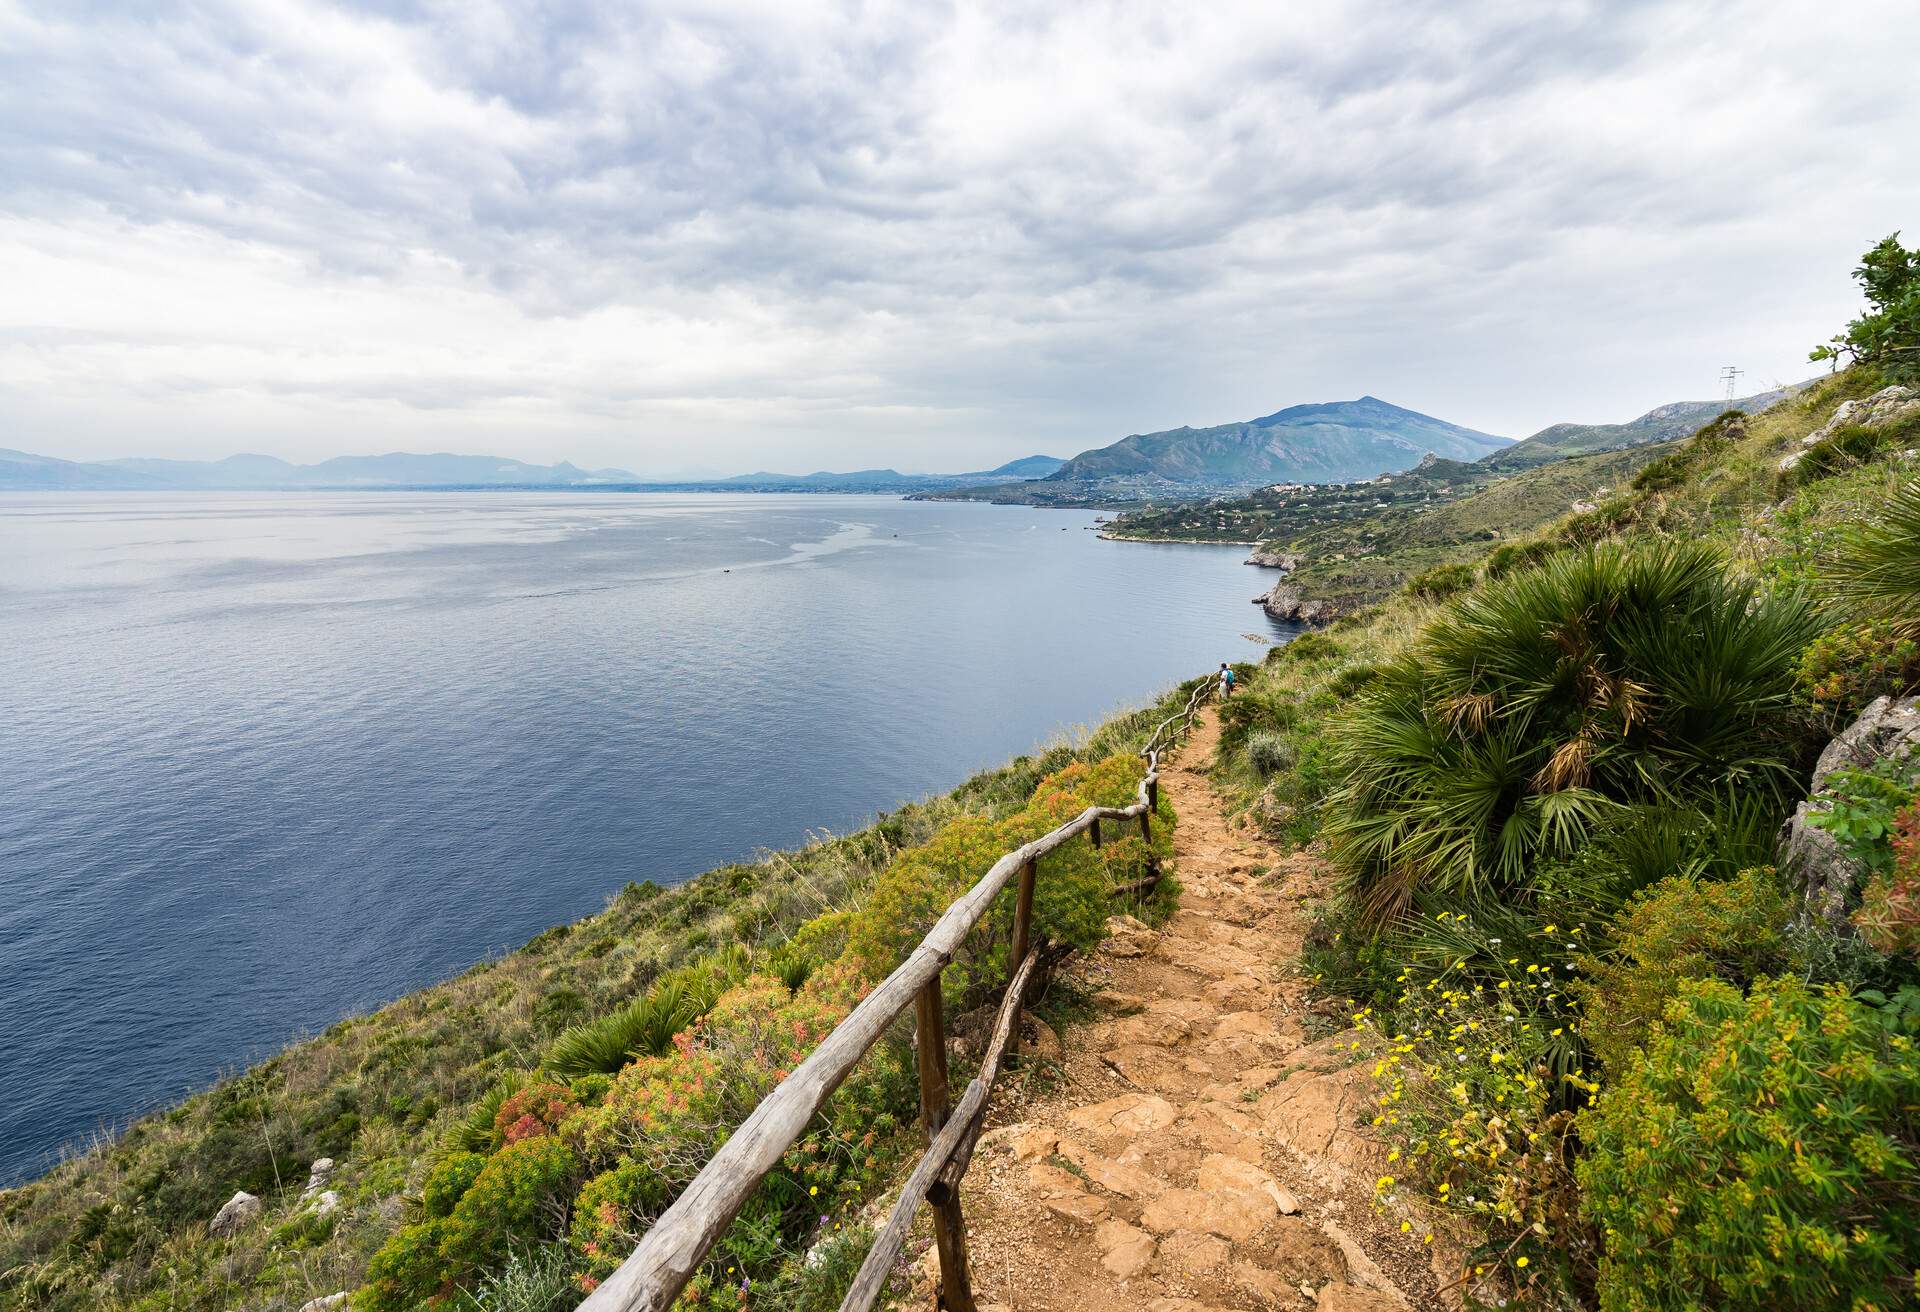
point(1887, 406)
point(1289, 604)
point(1273, 558)
point(317, 1176)
point(1826, 875)
point(238, 1212)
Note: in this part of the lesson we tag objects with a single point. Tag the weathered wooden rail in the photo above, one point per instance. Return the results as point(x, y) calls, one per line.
point(672, 1250)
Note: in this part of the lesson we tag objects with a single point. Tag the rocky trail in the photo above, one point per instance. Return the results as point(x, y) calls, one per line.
point(1196, 1151)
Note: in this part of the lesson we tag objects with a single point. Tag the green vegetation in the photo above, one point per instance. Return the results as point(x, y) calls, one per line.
point(503, 1136)
point(1530, 710)
point(1889, 332)
point(1357, 543)
point(1764, 1153)
point(1607, 1033)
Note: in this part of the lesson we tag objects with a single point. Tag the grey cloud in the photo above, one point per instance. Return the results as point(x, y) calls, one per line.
point(1220, 208)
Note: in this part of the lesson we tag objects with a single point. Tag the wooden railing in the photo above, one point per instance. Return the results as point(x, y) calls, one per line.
point(672, 1250)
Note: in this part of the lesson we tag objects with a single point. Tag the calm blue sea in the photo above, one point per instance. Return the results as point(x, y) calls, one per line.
point(267, 760)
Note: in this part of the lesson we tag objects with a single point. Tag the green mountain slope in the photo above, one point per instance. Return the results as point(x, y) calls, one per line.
point(1328, 442)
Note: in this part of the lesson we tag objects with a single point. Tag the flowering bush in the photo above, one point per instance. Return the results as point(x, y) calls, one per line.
point(535, 1110)
point(1473, 1090)
point(449, 1181)
point(1763, 1153)
point(520, 1195)
point(1682, 928)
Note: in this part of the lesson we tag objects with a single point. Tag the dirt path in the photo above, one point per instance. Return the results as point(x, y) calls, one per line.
point(1198, 1152)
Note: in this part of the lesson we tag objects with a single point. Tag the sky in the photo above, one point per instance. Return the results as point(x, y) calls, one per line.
point(707, 238)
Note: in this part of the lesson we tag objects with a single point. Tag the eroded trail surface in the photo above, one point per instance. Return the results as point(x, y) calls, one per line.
point(1198, 1152)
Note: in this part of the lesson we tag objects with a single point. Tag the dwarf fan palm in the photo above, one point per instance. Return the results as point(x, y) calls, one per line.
point(1877, 566)
point(1530, 710)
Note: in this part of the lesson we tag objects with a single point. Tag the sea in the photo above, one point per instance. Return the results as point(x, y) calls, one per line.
point(267, 760)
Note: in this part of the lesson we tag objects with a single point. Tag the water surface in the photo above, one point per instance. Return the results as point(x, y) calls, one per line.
point(267, 760)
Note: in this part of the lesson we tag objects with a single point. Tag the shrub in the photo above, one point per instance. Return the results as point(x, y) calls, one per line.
point(1659, 475)
point(1269, 754)
point(1510, 556)
point(1848, 446)
point(535, 1110)
point(1309, 647)
point(1530, 710)
point(449, 1181)
point(1845, 668)
point(1070, 898)
point(408, 1271)
point(1679, 930)
point(1441, 581)
point(521, 1194)
point(663, 1113)
point(1858, 807)
point(1471, 1082)
point(1762, 1154)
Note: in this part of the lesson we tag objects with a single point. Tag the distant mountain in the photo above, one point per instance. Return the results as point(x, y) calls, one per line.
point(22, 471)
point(1331, 442)
point(1660, 424)
point(396, 469)
point(882, 480)
point(1028, 467)
point(1327, 442)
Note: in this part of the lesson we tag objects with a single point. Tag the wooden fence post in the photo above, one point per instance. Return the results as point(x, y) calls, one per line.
point(949, 1228)
point(1093, 832)
point(1022, 938)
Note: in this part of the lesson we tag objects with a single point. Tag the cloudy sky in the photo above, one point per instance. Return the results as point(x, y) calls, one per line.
point(678, 237)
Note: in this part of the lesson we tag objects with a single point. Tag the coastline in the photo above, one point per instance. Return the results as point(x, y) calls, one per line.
point(377, 1094)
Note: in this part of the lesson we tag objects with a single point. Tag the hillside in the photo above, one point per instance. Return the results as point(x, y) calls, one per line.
point(389, 1099)
point(1549, 781)
point(1328, 442)
point(1347, 545)
point(1660, 424)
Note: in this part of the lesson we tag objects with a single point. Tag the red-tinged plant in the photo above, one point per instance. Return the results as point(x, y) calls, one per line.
point(1889, 914)
point(535, 1110)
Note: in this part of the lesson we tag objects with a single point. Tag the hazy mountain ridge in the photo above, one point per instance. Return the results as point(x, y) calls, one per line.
point(22, 471)
point(1660, 424)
